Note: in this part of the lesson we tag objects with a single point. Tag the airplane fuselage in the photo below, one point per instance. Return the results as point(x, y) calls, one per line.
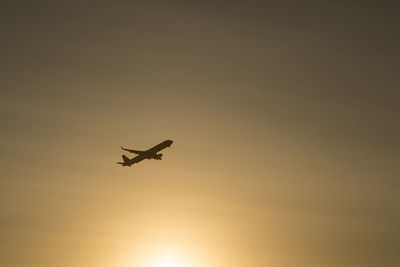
point(152, 152)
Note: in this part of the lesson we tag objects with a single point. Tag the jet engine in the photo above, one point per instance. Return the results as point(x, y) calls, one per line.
point(158, 156)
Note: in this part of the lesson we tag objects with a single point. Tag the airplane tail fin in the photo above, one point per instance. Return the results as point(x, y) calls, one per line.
point(125, 158)
point(126, 161)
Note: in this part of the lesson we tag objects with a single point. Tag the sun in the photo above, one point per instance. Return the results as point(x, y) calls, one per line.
point(162, 256)
point(168, 259)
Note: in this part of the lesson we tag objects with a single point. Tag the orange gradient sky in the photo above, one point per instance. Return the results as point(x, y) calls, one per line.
point(284, 116)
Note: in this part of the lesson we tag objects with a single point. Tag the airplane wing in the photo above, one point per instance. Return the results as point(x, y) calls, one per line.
point(133, 151)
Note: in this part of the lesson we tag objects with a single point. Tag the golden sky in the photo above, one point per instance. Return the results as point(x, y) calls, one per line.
point(284, 116)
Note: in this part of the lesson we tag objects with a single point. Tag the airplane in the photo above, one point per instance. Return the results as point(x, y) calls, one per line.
point(151, 153)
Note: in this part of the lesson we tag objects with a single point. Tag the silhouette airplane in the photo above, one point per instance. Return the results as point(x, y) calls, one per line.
point(146, 154)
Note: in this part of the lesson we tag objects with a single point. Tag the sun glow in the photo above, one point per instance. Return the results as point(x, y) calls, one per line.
point(167, 259)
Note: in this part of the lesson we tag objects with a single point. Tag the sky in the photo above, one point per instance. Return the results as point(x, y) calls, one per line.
point(284, 116)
